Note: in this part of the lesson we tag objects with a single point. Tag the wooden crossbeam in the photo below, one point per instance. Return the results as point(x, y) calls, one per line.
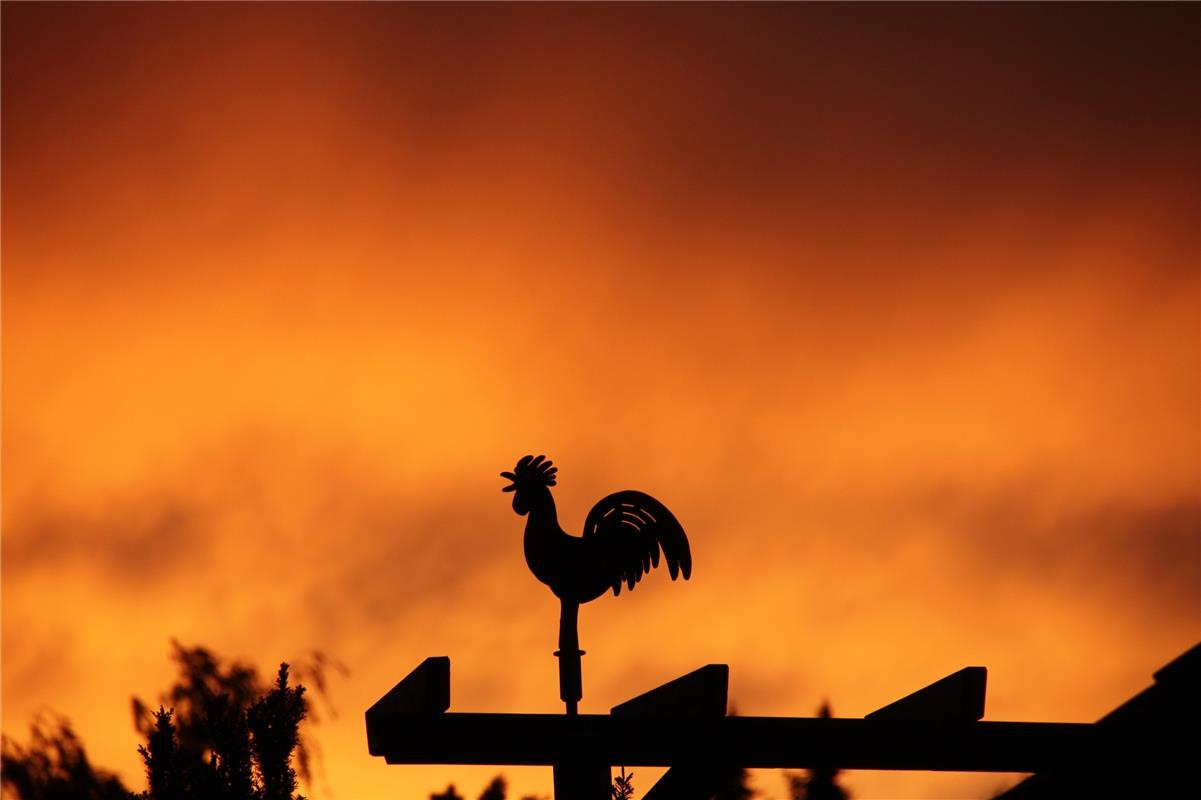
point(959, 697)
point(754, 742)
point(1151, 739)
point(424, 692)
point(701, 694)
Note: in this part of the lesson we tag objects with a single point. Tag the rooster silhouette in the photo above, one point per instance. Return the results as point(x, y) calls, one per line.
point(623, 536)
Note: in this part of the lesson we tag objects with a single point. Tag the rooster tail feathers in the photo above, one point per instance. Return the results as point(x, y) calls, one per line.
point(635, 529)
point(676, 550)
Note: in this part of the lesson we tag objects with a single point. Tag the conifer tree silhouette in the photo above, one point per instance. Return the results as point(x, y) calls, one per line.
point(218, 734)
point(229, 740)
point(165, 773)
point(623, 786)
point(274, 723)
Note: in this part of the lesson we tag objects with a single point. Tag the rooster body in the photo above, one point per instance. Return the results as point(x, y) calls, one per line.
point(623, 537)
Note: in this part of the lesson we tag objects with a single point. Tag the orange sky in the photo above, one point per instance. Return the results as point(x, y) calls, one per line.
point(897, 308)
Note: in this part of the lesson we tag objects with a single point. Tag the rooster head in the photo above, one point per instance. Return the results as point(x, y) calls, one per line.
point(531, 474)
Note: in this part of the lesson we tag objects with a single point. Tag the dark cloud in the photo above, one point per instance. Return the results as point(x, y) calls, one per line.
point(405, 558)
point(353, 552)
point(137, 541)
point(1143, 556)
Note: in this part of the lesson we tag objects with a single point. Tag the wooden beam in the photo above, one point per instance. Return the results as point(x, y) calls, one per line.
point(423, 693)
point(959, 697)
point(1157, 729)
point(753, 742)
point(700, 693)
point(582, 778)
point(697, 781)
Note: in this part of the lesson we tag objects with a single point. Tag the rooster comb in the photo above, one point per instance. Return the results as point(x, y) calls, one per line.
point(537, 470)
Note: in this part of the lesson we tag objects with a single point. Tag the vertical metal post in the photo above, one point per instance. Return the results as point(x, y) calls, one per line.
point(578, 775)
point(570, 681)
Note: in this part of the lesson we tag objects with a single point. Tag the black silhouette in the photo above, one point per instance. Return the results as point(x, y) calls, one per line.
point(623, 786)
point(496, 789)
point(1147, 742)
point(730, 781)
point(55, 766)
point(247, 755)
point(822, 782)
point(211, 698)
point(734, 783)
point(684, 723)
point(226, 736)
point(623, 535)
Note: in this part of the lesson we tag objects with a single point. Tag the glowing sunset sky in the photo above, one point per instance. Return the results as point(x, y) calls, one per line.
point(897, 308)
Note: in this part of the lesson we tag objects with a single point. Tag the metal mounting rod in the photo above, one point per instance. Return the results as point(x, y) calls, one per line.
point(571, 683)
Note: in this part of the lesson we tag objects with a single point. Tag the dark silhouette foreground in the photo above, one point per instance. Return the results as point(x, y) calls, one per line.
point(820, 782)
point(219, 733)
point(55, 766)
point(495, 790)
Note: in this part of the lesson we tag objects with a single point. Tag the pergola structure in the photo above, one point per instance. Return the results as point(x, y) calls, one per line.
point(683, 725)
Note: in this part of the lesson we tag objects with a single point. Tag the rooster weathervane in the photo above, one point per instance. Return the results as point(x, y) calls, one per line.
point(623, 536)
point(683, 724)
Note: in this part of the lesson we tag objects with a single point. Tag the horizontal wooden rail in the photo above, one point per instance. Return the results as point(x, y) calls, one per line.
point(757, 742)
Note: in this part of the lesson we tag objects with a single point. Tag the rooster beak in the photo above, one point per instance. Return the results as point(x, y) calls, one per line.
point(509, 476)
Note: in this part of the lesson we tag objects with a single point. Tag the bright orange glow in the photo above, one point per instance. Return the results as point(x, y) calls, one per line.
point(906, 331)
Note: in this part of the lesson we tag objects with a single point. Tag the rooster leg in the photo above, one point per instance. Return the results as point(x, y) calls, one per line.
point(569, 652)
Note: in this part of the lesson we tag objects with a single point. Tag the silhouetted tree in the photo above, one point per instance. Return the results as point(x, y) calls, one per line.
point(202, 679)
point(228, 736)
point(246, 754)
point(495, 790)
point(623, 786)
point(218, 734)
point(210, 698)
point(274, 724)
point(734, 784)
point(821, 782)
point(166, 774)
point(54, 766)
